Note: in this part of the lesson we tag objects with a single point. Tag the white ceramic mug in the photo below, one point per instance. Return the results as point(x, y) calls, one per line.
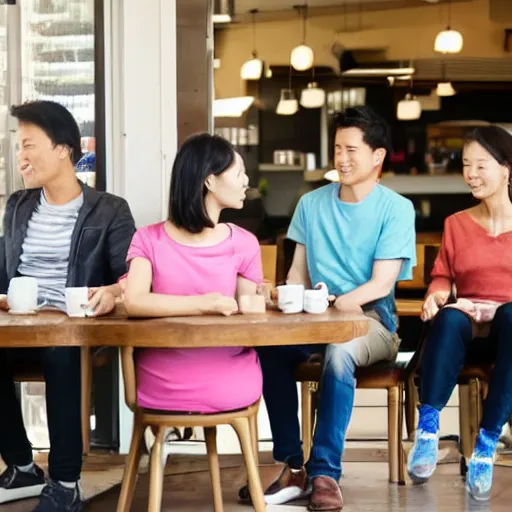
point(290, 298)
point(316, 301)
point(22, 296)
point(77, 300)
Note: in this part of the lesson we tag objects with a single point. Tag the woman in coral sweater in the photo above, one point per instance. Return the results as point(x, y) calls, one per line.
point(475, 262)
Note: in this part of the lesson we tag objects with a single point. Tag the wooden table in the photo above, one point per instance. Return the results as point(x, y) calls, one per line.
point(271, 328)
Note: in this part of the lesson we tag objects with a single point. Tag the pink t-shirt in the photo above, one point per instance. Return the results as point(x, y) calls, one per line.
point(204, 380)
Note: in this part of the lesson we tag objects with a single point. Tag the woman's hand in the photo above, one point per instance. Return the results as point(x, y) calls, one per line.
point(219, 304)
point(433, 303)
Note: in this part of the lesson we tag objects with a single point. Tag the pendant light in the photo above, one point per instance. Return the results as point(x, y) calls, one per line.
point(288, 104)
point(302, 56)
point(449, 40)
point(252, 68)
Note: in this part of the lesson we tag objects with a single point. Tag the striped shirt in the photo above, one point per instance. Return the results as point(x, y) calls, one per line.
point(45, 249)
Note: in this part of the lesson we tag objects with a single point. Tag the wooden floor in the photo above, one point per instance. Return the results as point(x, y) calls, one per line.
point(365, 488)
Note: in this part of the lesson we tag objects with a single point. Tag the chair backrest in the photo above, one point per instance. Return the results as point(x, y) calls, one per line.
point(431, 252)
point(269, 262)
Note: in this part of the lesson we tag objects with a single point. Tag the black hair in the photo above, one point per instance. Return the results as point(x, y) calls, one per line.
point(498, 143)
point(55, 120)
point(376, 131)
point(199, 157)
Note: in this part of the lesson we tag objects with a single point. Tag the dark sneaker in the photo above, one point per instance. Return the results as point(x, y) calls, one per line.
point(57, 498)
point(291, 484)
point(19, 485)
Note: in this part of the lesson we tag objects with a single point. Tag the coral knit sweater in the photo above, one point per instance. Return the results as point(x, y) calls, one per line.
point(478, 263)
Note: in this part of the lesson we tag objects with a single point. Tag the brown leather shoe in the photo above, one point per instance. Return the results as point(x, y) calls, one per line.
point(326, 495)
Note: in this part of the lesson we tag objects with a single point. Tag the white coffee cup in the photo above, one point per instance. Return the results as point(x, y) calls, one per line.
point(316, 301)
point(290, 298)
point(22, 295)
point(77, 300)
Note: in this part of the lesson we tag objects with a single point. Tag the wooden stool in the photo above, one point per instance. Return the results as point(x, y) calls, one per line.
point(244, 422)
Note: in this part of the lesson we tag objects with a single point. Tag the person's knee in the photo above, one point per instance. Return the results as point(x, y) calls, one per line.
point(503, 315)
point(451, 320)
point(339, 362)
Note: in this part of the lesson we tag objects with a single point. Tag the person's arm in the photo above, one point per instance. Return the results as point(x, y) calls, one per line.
point(298, 273)
point(141, 302)
point(442, 282)
point(382, 282)
point(120, 233)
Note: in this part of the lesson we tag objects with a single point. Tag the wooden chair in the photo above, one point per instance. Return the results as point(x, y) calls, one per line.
point(390, 376)
point(24, 372)
point(244, 422)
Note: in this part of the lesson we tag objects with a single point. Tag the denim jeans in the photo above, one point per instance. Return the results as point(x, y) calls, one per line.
point(61, 367)
point(337, 390)
point(450, 343)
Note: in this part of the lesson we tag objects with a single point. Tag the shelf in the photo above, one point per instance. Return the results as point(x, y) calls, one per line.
point(280, 168)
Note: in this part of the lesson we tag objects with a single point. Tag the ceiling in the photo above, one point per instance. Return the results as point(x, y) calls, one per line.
point(281, 9)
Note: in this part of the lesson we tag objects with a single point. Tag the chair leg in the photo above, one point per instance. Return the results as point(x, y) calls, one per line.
point(253, 424)
point(210, 434)
point(86, 390)
point(243, 431)
point(466, 443)
point(307, 427)
point(131, 466)
point(393, 428)
point(411, 402)
point(475, 394)
point(156, 477)
point(400, 435)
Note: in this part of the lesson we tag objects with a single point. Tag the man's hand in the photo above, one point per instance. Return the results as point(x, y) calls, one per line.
point(101, 300)
point(342, 304)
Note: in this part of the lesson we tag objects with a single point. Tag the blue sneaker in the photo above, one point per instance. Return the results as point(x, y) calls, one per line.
point(480, 467)
point(422, 460)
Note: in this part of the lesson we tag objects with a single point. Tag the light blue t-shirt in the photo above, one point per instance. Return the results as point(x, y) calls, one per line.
point(343, 240)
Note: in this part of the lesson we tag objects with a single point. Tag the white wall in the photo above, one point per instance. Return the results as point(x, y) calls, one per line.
point(141, 103)
point(141, 129)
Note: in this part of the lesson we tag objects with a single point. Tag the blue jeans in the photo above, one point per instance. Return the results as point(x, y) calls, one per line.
point(450, 343)
point(337, 390)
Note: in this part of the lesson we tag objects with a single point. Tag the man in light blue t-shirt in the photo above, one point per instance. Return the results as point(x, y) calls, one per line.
point(358, 237)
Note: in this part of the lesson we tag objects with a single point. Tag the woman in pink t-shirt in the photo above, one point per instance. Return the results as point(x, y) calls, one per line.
point(192, 264)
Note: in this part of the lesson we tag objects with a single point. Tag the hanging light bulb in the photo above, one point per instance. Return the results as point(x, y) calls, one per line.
point(445, 89)
point(408, 109)
point(313, 96)
point(302, 56)
point(288, 104)
point(252, 69)
point(449, 40)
